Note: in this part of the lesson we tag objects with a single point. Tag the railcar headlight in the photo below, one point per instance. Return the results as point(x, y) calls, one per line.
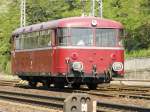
point(117, 66)
point(77, 66)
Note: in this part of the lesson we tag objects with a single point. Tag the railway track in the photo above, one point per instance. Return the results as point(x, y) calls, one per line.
point(8, 82)
point(124, 88)
point(32, 99)
point(57, 102)
point(114, 107)
point(131, 92)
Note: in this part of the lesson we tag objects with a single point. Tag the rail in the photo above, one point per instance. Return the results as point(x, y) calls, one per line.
point(58, 102)
point(8, 82)
point(120, 107)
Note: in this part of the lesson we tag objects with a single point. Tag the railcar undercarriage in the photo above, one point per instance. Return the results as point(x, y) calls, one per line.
point(59, 81)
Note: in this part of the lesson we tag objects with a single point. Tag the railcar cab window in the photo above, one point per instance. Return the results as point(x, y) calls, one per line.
point(85, 37)
point(106, 37)
point(75, 36)
point(62, 34)
point(33, 40)
point(81, 37)
point(121, 36)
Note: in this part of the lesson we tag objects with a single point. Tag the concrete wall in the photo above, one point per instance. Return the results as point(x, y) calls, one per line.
point(138, 68)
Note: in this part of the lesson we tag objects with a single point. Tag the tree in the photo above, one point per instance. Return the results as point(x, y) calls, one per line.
point(40, 11)
point(9, 21)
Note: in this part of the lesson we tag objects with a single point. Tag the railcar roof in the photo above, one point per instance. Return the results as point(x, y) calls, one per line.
point(70, 22)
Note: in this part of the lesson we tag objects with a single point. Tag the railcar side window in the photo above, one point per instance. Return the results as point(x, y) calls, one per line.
point(25, 45)
point(17, 43)
point(21, 42)
point(33, 40)
point(106, 37)
point(44, 39)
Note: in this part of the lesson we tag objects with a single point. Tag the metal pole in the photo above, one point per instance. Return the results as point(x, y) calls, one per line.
point(23, 13)
point(92, 7)
point(24, 24)
point(100, 2)
point(83, 7)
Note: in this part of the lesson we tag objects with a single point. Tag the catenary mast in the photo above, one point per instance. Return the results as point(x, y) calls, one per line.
point(100, 3)
point(92, 7)
point(23, 13)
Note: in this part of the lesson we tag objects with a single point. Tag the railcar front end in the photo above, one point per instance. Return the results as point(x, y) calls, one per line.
point(89, 55)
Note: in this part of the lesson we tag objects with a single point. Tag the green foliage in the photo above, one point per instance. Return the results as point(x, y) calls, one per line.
point(39, 11)
point(3, 62)
point(139, 38)
point(134, 14)
point(138, 53)
point(9, 21)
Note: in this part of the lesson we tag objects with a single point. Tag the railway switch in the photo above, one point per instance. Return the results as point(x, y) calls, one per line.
point(79, 103)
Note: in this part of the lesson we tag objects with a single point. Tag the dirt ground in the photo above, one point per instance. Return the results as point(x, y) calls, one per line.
point(6, 106)
point(4, 76)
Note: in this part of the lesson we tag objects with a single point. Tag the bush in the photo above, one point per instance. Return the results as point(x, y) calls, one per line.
point(5, 63)
point(8, 67)
point(138, 39)
point(138, 53)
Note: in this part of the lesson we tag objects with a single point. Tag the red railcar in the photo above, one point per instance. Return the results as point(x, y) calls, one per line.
point(76, 50)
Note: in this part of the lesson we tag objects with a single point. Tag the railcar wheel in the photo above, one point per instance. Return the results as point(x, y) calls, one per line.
point(60, 86)
point(32, 83)
point(75, 86)
point(46, 84)
point(92, 86)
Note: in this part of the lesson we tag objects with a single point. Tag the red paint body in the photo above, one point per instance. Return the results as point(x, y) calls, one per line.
point(43, 61)
point(53, 59)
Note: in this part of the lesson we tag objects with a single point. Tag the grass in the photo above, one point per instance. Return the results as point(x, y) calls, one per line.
point(138, 54)
point(5, 65)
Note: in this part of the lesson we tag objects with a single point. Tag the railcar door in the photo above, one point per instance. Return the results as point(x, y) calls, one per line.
point(13, 55)
point(52, 50)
